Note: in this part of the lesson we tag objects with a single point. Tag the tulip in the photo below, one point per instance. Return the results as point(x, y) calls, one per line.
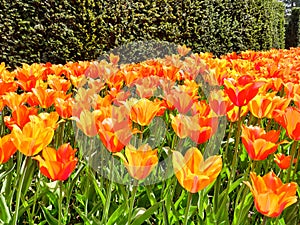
point(113, 136)
point(143, 111)
point(241, 91)
point(57, 164)
point(7, 148)
point(258, 143)
point(193, 172)
point(32, 138)
point(290, 120)
point(283, 161)
point(271, 196)
point(139, 162)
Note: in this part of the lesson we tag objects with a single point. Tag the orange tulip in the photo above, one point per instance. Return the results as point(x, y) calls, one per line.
point(113, 135)
point(87, 122)
point(241, 91)
point(205, 129)
point(7, 148)
point(20, 116)
point(258, 143)
point(262, 105)
point(57, 164)
point(14, 100)
point(181, 100)
point(32, 138)
point(143, 111)
point(64, 108)
point(283, 161)
point(232, 114)
point(271, 196)
point(44, 97)
point(139, 162)
point(290, 120)
point(192, 172)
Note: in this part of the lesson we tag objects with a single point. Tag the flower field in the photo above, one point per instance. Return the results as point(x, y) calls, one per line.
point(185, 139)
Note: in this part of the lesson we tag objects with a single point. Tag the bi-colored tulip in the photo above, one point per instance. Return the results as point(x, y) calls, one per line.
point(258, 143)
point(242, 90)
point(143, 111)
point(193, 172)
point(32, 138)
point(290, 120)
point(57, 164)
point(271, 196)
point(283, 161)
point(7, 148)
point(139, 162)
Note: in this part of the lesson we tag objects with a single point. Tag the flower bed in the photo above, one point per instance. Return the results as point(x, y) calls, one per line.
point(187, 139)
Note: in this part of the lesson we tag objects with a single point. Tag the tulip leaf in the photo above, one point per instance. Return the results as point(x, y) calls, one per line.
point(83, 216)
point(235, 184)
point(7, 171)
point(5, 216)
point(119, 212)
point(146, 215)
point(50, 219)
point(242, 210)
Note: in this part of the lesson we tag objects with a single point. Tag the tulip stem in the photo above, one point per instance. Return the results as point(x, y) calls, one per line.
point(108, 194)
point(187, 209)
point(19, 190)
point(236, 148)
point(134, 190)
point(60, 203)
point(264, 222)
point(293, 150)
point(296, 165)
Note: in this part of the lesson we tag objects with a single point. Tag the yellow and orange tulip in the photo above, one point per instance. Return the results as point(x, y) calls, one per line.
point(193, 172)
point(7, 148)
point(32, 138)
point(139, 162)
point(271, 196)
point(57, 164)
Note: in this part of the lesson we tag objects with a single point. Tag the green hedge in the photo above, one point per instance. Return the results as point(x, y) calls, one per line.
point(293, 29)
point(63, 30)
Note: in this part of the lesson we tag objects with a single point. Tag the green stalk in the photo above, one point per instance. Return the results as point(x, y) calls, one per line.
point(132, 199)
point(293, 151)
point(108, 195)
point(19, 191)
point(296, 165)
point(60, 203)
point(187, 209)
point(236, 148)
point(264, 222)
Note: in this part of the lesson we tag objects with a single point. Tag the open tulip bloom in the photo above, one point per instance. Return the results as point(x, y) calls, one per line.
point(271, 196)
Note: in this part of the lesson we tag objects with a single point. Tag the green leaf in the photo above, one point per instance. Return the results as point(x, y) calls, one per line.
point(83, 216)
point(235, 184)
point(4, 210)
point(50, 219)
point(146, 215)
point(116, 214)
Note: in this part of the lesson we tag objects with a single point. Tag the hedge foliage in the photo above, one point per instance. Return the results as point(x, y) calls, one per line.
point(293, 29)
point(64, 30)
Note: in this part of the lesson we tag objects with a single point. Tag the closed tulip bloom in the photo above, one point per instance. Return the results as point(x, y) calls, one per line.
point(57, 164)
point(271, 196)
point(283, 161)
point(258, 143)
point(32, 138)
point(193, 172)
point(7, 148)
point(139, 162)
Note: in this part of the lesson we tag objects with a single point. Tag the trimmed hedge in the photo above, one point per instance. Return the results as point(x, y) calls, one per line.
point(293, 29)
point(72, 30)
